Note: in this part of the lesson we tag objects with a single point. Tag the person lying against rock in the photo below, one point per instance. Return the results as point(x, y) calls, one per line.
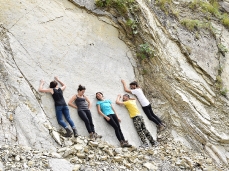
point(138, 120)
point(146, 106)
point(106, 110)
point(60, 105)
point(83, 104)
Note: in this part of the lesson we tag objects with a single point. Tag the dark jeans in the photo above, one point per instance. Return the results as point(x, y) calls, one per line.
point(115, 124)
point(63, 110)
point(151, 116)
point(85, 115)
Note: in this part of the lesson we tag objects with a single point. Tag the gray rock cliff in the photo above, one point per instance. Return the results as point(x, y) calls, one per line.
point(83, 44)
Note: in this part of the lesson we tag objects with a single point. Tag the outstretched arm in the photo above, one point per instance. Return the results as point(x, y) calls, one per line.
point(70, 103)
point(101, 113)
point(41, 89)
point(125, 86)
point(118, 100)
point(62, 84)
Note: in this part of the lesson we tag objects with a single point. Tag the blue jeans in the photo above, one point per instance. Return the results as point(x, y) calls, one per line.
point(65, 111)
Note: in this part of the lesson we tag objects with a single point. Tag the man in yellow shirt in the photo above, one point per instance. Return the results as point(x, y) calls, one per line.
point(139, 124)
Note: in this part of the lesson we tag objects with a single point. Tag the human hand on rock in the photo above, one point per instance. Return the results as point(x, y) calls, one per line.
point(56, 78)
point(107, 118)
point(42, 81)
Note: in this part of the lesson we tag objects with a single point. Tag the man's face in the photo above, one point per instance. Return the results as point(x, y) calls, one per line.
point(132, 86)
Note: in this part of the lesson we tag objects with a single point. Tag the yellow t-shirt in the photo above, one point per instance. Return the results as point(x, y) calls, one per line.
point(132, 108)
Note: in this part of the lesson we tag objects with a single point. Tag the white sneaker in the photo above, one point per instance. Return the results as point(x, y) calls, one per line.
point(145, 145)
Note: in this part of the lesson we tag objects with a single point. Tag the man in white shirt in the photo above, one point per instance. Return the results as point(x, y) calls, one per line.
point(146, 106)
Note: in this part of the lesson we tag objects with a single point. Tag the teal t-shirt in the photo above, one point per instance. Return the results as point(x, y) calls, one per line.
point(105, 107)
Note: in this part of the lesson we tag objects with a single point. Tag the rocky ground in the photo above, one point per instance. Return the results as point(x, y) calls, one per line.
point(83, 154)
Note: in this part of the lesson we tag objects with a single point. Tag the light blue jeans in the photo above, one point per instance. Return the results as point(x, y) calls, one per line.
point(63, 110)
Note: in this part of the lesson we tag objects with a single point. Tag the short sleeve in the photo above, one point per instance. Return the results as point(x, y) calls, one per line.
point(133, 91)
point(109, 101)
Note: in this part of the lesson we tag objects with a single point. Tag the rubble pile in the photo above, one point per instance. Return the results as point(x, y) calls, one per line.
point(82, 153)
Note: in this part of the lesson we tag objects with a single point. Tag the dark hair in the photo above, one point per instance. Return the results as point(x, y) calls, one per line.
point(53, 84)
point(98, 93)
point(127, 95)
point(134, 83)
point(80, 88)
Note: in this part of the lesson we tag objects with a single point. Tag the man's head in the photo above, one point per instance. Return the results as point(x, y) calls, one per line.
point(133, 85)
point(125, 97)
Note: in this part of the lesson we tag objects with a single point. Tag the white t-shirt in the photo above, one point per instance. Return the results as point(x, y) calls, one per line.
point(141, 97)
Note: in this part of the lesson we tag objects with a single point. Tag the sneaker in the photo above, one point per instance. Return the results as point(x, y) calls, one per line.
point(161, 128)
point(68, 133)
point(155, 143)
point(91, 136)
point(75, 132)
point(97, 135)
point(124, 144)
point(145, 145)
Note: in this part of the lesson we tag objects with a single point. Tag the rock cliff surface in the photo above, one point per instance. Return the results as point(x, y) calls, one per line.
point(84, 44)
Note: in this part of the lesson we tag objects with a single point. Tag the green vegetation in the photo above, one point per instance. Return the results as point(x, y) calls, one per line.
point(224, 91)
point(128, 9)
point(122, 6)
point(222, 49)
point(162, 4)
point(168, 7)
point(195, 25)
point(145, 51)
point(225, 20)
point(191, 24)
point(133, 25)
point(219, 83)
point(117, 4)
point(212, 8)
point(144, 72)
point(220, 70)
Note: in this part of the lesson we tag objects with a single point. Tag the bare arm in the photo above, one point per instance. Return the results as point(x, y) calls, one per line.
point(125, 87)
point(115, 113)
point(101, 113)
point(70, 103)
point(41, 89)
point(62, 84)
point(118, 100)
point(88, 101)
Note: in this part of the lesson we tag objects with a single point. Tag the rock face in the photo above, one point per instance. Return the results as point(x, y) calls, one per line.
point(46, 39)
point(85, 45)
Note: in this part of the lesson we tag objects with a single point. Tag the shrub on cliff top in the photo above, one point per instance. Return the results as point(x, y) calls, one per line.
point(120, 5)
